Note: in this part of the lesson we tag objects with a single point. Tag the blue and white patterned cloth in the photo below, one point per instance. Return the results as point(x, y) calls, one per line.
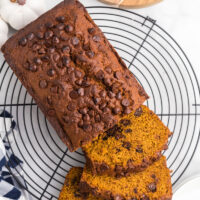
point(10, 165)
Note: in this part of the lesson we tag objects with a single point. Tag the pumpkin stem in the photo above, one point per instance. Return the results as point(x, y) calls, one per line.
point(21, 2)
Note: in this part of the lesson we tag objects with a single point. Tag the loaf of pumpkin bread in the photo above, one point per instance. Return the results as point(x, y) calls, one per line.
point(73, 73)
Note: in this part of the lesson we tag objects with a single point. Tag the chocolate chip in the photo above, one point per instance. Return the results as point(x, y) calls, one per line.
point(87, 127)
point(108, 70)
point(69, 28)
point(85, 83)
point(66, 49)
point(128, 130)
point(80, 123)
point(78, 74)
point(40, 35)
point(66, 119)
point(91, 30)
point(112, 131)
point(139, 149)
point(104, 167)
point(102, 94)
point(119, 135)
point(71, 106)
point(51, 50)
point(73, 94)
point(54, 89)
point(49, 25)
point(78, 82)
point(96, 38)
point(117, 75)
point(36, 47)
point(30, 36)
point(23, 41)
point(42, 51)
point(91, 113)
point(37, 61)
point(100, 75)
point(61, 19)
point(107, 82)
point(49, 100)
point(153, 176)
point(111, 94)
point(51, 72)
point(144, 197)
point(48, 35)
point(60, 26)
point(45, 58)
point(26, 65)
point(51, 112)
point(75, 41)
point(43, 84)
point(138, 112)
point(56, 40)
point(106, 110)
point(32, 67)
point(127, 111)
point(116, 110)
point(141, 92)
point(103, 105)
point(90, 54)
point(96, 100)
point(86, 117)
point(56, 57)
point(81, 92)
point(97, 118)
point(83, 111)
point(118, 168)
point(119, 96)
point(125, 102)
point(65, 61)
point(152, 187)
point(77, 194)
point(126, 145)
point(86, 47)
point(125, 122)
point(135, 190)
point(118, 150)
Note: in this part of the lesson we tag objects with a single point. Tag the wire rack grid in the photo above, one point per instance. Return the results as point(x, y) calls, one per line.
point(159, 64)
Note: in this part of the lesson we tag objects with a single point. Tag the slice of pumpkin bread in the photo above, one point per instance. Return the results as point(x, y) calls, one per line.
point(70, 190)
point(130, 146)
point(154, 183)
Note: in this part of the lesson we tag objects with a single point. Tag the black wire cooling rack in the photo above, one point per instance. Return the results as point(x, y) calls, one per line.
point(158, 63)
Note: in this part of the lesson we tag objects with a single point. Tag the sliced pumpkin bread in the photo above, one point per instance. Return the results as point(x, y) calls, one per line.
point(130, 146)
point(70, 190)
point(154, 183)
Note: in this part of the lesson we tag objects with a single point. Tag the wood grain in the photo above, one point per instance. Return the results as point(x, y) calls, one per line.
point(131, 3)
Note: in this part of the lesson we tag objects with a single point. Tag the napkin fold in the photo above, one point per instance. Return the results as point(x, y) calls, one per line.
point(12, 183)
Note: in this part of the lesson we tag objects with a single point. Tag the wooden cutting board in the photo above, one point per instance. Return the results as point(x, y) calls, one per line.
point(132, 3)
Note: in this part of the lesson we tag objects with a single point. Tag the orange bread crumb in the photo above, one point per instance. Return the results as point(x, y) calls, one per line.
point(154, 183)
point(130, 146)
point(70, 190)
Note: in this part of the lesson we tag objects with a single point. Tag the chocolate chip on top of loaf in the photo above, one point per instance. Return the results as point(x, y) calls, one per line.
point(73, 73)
